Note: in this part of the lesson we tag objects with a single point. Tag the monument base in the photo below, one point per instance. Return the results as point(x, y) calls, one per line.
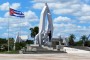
point(44, 49)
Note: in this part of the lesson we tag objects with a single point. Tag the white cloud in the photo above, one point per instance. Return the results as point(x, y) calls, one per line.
point(63, 11)
point(5, 6)
point(14, 25)
point(3, 22)
point(66, 29)
point(62, 19)
point(77, 9)
point(86, 8)
point(5, 35)
point(15, 5)
point(24, 37)
point(7, 14)
point(30, 15)
point(69, 7)
point(15, 33)
point(67, 26)
point(83, 10)
point(54, 1)
point(51, 5)
point(20, 24)
point(24, 32)
point(84, 19)
point(25, 23)
point(38, 6)
point(43, 1)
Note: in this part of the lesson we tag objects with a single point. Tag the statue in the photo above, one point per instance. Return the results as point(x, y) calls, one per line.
point(44, 36)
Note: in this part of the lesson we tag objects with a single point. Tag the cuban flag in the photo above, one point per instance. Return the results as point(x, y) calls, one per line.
point(16, 13)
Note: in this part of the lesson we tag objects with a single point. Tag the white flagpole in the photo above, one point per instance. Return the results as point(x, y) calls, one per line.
point(8, 34)
point(20, 28)
point(19, 31)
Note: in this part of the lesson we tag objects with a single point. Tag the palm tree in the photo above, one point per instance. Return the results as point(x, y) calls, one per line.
point(34, 31)
point(71, 39)
point(84, 39)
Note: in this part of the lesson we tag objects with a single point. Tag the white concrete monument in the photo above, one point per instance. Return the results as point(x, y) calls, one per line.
point(44, 35)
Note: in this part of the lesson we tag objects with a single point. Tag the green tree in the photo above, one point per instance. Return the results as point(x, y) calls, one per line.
point(29, 42)
point(78, 43)
point(20, 45)
point(11, 43)
point(71, 39)
point(4, 44)
point(84, 39)
point(34, 31)
point(3, 41)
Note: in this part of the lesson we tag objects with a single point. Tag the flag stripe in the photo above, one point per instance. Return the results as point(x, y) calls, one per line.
point(16, 13)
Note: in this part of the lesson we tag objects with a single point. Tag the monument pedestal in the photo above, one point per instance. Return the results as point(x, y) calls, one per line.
point(34, 49)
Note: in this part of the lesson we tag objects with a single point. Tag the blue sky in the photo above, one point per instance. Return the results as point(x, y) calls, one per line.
point(69, 17)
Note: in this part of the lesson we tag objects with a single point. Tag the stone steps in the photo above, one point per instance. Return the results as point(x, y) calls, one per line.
point(81, 47)
point(40, 50)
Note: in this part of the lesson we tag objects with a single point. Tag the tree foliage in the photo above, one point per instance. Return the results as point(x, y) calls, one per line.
point(78, 43)
point(20, 45)
point(71, 39)
point(34, 31)
point(29, 42)
point(3, 41)
point(4, 44)
point(84, 39)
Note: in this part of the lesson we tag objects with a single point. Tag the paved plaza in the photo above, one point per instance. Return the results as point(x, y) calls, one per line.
point(59, 56)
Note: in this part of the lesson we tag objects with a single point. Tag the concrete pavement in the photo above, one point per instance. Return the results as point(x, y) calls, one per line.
point(61, 56)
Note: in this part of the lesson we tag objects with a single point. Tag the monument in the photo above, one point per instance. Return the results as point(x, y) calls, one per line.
point(43, 40)
point(45, 35)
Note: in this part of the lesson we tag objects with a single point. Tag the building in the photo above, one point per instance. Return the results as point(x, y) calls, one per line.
point(59, 41)
point(21, 38)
